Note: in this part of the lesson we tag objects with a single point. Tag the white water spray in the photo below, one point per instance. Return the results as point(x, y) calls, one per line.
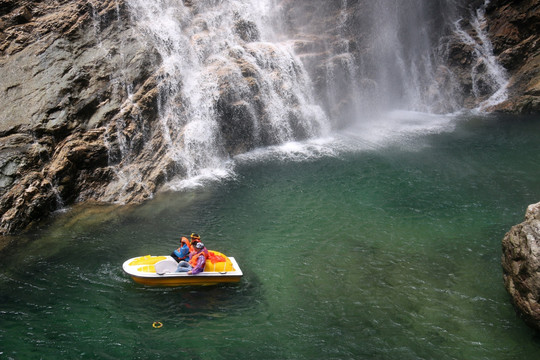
point(215, 57)
point(488, 76)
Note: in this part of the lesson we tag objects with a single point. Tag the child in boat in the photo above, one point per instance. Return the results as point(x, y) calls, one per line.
point(197, 260)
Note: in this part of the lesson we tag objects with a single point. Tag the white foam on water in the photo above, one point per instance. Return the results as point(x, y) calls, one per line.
point(204, 177)
point(292, 151)
point(397, 127)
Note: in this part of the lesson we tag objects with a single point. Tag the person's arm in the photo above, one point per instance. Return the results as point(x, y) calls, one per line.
point(201, 261)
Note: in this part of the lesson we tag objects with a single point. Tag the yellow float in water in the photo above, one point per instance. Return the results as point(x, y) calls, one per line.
point(160, 271)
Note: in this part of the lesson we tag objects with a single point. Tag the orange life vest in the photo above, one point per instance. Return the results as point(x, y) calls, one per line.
point(194, 258)
point(186, 241)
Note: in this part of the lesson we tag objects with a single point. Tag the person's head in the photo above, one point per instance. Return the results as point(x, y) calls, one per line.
point(199, 246)
point(195, 238)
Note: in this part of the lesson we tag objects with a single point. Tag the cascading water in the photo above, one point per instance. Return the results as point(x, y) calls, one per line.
point(376, 56)
point(380, 56)
point(413, 41)
point(223, 89)
point(489, 79)
point(400, 58)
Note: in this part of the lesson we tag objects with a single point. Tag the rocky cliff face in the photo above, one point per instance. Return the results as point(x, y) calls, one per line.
point(62, 98)
point(81, 90)
point(521, 261)
point(514, 28)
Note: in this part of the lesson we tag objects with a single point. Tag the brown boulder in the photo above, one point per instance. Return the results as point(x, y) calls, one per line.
point(520, 262)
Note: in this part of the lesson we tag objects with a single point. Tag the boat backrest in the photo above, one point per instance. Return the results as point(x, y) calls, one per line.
point(166, 266)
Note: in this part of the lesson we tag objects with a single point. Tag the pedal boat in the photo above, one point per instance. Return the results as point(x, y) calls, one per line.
point(160, 271)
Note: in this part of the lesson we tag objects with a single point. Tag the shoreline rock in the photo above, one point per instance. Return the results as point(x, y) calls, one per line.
point(62, 100)
point(520, 263)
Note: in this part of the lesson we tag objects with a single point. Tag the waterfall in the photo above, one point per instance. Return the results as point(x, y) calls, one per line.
point(237, 75)
point(380, 56)
point(408, 62)
point(226, 86)
point(489, 79)
point(401, 58)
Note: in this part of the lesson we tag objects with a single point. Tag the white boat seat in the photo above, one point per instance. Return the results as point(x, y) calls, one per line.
point(166, 266)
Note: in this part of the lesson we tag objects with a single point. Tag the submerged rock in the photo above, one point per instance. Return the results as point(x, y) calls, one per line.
point(521, 264)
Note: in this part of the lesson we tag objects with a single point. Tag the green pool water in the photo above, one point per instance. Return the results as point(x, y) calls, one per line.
point(360, 247)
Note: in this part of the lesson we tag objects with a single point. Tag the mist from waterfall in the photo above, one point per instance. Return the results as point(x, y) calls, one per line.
point(401, 62)
point(381, 56)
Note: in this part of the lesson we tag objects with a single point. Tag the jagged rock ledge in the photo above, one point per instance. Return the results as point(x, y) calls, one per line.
point(521, 266)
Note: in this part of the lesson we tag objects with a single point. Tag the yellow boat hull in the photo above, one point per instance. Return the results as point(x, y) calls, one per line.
point(142, 270)
point(185, 280)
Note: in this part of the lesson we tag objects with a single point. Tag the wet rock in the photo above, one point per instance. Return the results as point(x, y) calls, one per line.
point(515, 33)
point(22, 15)
point(60, 95)
point(520, 262)
point(236, 120)
point(247, 30)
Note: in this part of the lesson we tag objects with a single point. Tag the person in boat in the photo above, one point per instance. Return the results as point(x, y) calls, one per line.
point(186, 247)
point(182, 253)
point(195, 238)
point(197, 260)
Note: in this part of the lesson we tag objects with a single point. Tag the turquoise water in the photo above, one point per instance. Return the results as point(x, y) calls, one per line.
point(362, 247)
